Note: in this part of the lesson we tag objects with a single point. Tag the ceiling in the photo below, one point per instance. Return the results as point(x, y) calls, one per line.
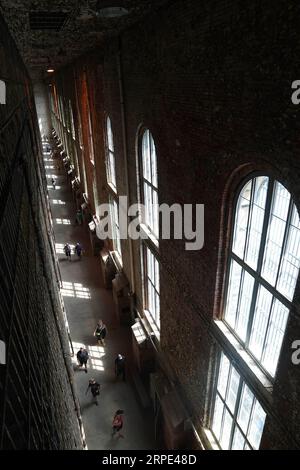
point(52, 33)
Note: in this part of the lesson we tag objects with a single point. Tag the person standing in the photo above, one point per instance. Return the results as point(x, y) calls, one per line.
point(117, 424)
point(67, 250)
point(95, 389)
point(82, 357)
point(53, 181)
point(120, 366)
point(100, 332)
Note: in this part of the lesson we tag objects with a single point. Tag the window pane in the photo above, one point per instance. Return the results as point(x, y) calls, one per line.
point(256, 221)
point(154, 164)
point(276, 329)
point(259, 327)
point(241, 220)
point(226, 431)
point(238, 440)
point(244, 307)
point(256, 425)
point(246, 403)
point(291, 259)
point(275, 235)
point(217, 419)
point(233, 387)
point(233, 293)
point(223, 376)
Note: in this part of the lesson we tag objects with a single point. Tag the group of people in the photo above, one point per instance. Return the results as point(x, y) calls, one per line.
point(77, 249)
point(94, 386)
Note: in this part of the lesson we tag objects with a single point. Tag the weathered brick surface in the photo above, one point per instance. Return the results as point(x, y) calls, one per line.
point(212, 81)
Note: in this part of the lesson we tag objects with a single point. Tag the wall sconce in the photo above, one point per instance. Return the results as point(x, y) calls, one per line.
point(2, 92)
point(2, 353)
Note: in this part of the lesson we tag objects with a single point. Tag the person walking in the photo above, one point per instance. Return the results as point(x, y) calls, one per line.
point(100, 332)
point(53, 181)
point(120, 366)
point(78, 249)
point(95, 389)
point(82, 358)
point(117, 424)
point(67, 250)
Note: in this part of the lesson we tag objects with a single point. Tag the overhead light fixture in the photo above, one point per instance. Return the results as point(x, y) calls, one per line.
point(50, 70)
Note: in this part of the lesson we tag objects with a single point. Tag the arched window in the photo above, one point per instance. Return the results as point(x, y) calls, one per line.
point(111, 165)
point(150, 259)
point(149, 183)
point(264, 264)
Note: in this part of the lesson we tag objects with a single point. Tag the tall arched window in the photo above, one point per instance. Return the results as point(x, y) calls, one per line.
point(263, 269)
point(149, 183)
point(112, 188)
point(111, 164)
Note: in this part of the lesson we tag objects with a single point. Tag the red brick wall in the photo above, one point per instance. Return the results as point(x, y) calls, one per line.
point(212, 81)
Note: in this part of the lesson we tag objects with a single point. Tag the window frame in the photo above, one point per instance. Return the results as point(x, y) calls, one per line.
point(146, 280)
point(257, 273)
point(144, 181)
point(111, 175)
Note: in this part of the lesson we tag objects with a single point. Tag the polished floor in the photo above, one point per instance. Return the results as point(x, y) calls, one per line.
point(87, 301)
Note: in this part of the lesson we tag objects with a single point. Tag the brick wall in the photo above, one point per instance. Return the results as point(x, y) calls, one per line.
point(212, 81)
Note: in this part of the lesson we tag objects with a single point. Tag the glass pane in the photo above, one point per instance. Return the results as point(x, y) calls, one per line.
point(280, 204)
point(153, 163)
point(244, 413)
point(276, 329)
point(217, 417)
point(241, 220)
point(256, 220)
point(238, 440)
point(291, 259)
point(260, 322)
point(233, 293)
point(244, 305)
point(223, 376)
point(233, 387)
point(110, 141)
point(226, 431)
point(256, 425)
point(155, 213)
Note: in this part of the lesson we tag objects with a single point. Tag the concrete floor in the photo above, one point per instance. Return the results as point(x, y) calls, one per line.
point(86, 301)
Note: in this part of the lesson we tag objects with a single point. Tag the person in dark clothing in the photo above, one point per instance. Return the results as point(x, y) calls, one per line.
point(120, 366)
point(67, 250)
point(53, 181)
point(78, 250)
point(95, 389)
point(82, 357)
point(100, 332)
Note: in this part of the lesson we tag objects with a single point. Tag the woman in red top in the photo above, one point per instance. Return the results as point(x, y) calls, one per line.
point(118, 423)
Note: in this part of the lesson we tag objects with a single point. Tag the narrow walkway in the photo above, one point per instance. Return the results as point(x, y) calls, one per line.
point(87, 301)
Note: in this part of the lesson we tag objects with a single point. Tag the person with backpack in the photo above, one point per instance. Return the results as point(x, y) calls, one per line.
point(120, 366)
point(95, 389)
point(67, 250)
point(82, 358)
point(100, 332)
point(117, 424)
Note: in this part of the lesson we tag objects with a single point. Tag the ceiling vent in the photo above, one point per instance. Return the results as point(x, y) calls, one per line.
point(43, 20)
